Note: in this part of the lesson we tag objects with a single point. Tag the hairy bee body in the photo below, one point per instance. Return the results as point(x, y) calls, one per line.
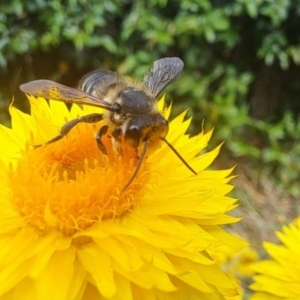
point(139, 119)
point(131, 106)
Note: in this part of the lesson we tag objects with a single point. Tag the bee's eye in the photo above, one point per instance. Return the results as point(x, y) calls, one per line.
point(132, 136)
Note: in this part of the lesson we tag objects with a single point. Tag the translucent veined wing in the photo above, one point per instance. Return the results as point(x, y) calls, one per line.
point(162, 73)
point(97, 82)
point(56, 91)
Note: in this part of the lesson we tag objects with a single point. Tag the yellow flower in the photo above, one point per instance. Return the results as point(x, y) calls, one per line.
point(279, 278)
point(68, 231)
point(238, 266)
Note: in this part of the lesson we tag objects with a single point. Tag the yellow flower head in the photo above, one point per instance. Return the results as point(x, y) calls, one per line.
point(238, 266)
point(69, 231)
point(279, 278)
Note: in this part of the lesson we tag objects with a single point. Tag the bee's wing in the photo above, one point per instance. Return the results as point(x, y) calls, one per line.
point(98, 81)
point(162, 73)
point(55, 91)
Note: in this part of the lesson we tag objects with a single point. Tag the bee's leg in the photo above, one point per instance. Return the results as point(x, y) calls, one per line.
point(117, 138)
point(91, 118)
point(101, 132)
point(117, 133)
point(138, 166)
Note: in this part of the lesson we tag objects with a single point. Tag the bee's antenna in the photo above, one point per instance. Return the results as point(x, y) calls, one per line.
point(141, 158)
point(178, 155)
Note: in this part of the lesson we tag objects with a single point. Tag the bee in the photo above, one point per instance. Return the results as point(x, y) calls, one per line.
point(131, 111)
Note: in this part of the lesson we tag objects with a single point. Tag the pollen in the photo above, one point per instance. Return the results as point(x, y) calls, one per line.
point(71, 185)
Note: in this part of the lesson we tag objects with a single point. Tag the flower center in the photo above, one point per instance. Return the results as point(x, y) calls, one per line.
point(70, 185)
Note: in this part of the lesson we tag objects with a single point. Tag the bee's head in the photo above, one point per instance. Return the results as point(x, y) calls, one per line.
point(145, 128)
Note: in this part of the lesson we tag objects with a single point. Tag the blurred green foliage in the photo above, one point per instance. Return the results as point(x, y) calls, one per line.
point(241, 62)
